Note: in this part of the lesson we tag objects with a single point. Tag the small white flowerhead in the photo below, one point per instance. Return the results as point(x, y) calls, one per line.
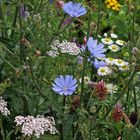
point(107, 41)
point(86, 80)
point(114, 35)
point(114, 48)
point(120, 42)
point(104, 71)
point(119, 62)
point(110, 61)
point(3, 107)
point(105, 35)
point(70, 48)
point(125, 67)
point(52, 53)
point(111, 88)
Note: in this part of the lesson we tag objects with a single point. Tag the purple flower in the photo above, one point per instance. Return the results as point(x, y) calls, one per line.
point(65, 85)
point(80, 59)
point(96, 50)
point(74, 9)
point(24, 13)
point(51, 1)
point(98, 64)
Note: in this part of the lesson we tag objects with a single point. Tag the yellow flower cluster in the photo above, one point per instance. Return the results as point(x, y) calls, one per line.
point(113, 4)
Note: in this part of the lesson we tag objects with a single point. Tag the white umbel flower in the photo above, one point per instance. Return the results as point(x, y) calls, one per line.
point(107, 41)
point(35, 126)
point(114, 48)
point(3, 107)
point(52, 53)
point(104, 71)
point(70, 48)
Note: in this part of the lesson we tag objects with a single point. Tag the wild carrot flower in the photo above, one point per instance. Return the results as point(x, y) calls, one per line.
point(74, 9)
point(101, 90)
point(3, 107)
point(96, 51)
point(117, 113)
point(65, 85)
point(35, 126)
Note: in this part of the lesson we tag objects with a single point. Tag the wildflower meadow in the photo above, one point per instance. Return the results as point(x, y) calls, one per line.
point(69, 70)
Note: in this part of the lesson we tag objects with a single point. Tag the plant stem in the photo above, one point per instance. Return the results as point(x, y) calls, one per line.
point(85, 59)
point(2, 129)
point(98, 21)
point(135, 99)
point(7, 62)
point(14, 22)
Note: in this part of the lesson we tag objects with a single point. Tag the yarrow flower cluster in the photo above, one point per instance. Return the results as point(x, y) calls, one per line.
point(65, 85)
point(113, 4)
point(74, 9)
point(36, 126)
point(3, 107)
point(65, 47)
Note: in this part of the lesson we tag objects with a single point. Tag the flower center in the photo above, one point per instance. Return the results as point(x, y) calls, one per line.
point(120, 61)
point(65, 88)
point(110, 59)
point(107, 39)
point(114, 47)
point(102, 70)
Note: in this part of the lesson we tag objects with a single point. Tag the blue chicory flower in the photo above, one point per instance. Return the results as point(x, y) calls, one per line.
point(65, 85)
point(96, 51)
point(74, 9)
point(98, 64)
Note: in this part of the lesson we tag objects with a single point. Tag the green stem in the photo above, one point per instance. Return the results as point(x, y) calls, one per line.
point(98, 21)
point(3, 21)
point(135, 99)
point(2, 129)
point(14, 22)
point(34, 80)
point(21, 32)
point(7, 62)
point(85, 59)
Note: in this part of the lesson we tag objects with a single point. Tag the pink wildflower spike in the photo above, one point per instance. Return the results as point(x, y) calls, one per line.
point(101, 90)
point(117, 113)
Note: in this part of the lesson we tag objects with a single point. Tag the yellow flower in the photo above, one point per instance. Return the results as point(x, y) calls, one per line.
point(113, 4)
